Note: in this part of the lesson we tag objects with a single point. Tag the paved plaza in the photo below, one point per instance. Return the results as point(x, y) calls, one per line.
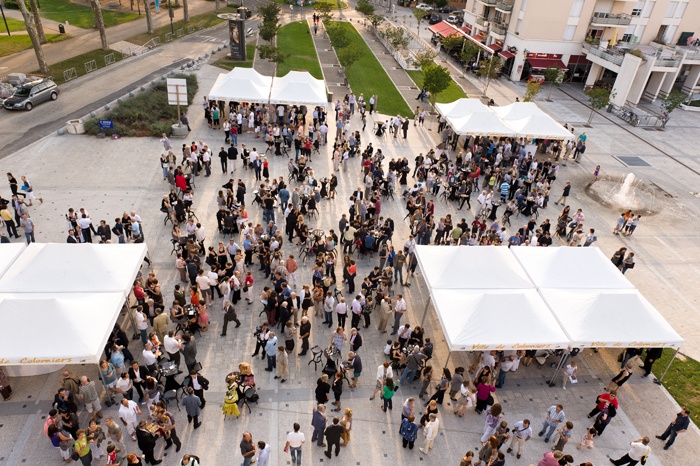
point(108, 177)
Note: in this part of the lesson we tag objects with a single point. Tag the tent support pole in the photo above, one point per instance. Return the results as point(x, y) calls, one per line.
point(658, 381)
point(561, 363)
point(425, 313)
point(447, 361)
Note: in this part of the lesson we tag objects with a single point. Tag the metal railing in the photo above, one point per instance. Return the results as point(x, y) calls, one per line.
point(507, 7)
point(500, 29)
point(606, 18)
point(481, 21)
point(489, 2)
point(667, 62)
point(607, 55)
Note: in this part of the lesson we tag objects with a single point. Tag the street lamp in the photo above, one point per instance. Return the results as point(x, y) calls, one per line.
point(171, 14)
point(5, 20)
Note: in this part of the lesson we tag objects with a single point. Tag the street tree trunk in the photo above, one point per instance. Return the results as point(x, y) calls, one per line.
point(37, 21)
point(185, 11)
point(99, 23)
point(218, 7)
point(149, 19)
point(36, 43)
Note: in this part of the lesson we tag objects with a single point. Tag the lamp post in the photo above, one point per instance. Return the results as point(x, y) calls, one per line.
point(171, 14)
point(5, 20)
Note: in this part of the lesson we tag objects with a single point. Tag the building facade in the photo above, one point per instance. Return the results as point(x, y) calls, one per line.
point(639, 49)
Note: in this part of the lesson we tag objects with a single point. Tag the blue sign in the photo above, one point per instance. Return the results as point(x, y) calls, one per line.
point(106, 124)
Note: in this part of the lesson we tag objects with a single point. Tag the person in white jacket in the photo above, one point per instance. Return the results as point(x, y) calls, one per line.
point(431, 431)
point(383, 372)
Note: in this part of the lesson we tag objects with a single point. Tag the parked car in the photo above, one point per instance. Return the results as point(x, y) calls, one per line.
point(434, 19)
point(424, 6)
point(454, 19)
point(448, 9)
point(30, 94)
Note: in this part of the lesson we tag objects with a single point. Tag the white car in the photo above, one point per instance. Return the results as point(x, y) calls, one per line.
point(424, 6)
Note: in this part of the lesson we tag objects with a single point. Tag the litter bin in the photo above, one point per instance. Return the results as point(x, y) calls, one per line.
point(61, 28)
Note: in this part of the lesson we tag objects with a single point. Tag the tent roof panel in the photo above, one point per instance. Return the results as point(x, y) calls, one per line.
point(9, 252)
point(298, 88)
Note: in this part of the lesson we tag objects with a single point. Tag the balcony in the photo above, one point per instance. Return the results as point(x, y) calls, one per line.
point(610, 20)
point(499, 29)
point(667, 62)
point(504, 7)
point(608, 55)
point(481, 21)
point(489, 2)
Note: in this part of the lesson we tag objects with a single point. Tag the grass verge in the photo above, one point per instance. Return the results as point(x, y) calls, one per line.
point(17, 43)
point(81, 16)
point(13, 24)
point(207, 20)
point(147, 113)
point(78, 62)
point(226, 63)
point(294, 40)
point(452, 93)
point(682, 381)
point(368, 77)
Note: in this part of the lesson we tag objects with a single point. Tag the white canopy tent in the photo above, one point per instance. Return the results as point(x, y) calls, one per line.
point(50, 328)
point(461, 108)
point(524, 321)
point(241, 85)
point(471, 268)
point(298, 88)
point(518, 110)
point(566, 267)
point(481, 123)
point(74, 268)
point(539, 127)
point(9, 252)
point(600, 318)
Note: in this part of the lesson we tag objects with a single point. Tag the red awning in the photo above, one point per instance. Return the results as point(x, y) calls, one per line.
point(544, 63)
point(578, 59)
point(443, 29)
point(477, 38)
point(495, 47)
point(466, 29)
point(506, 54)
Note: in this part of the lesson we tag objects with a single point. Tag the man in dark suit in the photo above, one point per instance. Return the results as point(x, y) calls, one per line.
point(147, 443)
point(71, 237)
point(333, 434)
point(138, 374)
point(198, 383)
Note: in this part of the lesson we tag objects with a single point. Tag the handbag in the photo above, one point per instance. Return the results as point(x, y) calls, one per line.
point(645, 457)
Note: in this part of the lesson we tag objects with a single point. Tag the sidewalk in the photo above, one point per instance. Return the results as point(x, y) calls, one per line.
point(88, 40)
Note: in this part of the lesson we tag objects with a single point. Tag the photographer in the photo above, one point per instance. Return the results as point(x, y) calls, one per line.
point(262, 333)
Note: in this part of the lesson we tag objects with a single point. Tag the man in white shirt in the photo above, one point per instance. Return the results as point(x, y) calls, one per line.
point(149, 357)
point(124, 386)
point(141, 323)
point(232, 247)
point(640, 449)
point(214, 283)
point(204, 286)
point(129, 413)
point(172, 345)
point(356, 308)
point(294, 442)
point(328, 306)
point(399, 311)
point(342, 311)
point(431, 431)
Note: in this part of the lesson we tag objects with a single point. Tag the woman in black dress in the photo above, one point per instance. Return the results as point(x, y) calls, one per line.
point(323, 390)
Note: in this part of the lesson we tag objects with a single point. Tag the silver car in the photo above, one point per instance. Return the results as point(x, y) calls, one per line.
point(30, 94)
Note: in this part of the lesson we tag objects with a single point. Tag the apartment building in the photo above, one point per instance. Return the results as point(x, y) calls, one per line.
point(640, 49)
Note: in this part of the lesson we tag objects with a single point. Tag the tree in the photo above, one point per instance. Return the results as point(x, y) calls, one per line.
point(347, 56)
point(364, 7)
point(439, 3)
point(268, 31)
point(489, 68)
point(149, 19)
point(669, 103)
point(419, 13)
point(99, 23)
point(396, 37)
point(33, 5)
point(324, 9)
point(270, 12)
point(34, 37)
point(598, 98)
point(436, 79)
point(185, 11)
point(375, 20)
point(338, 35)
point(272, 53)
point(469, 52)
point(451, 42)
point(532, 88)
point(424, 58)
point(554, 76)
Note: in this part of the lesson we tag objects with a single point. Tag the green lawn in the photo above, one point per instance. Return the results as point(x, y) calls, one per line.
point(226, 63)
point(295, 41)
point(13, 24)
point(19, 42)
point(307, 6)
point(452, 93)
point(208, 20)
point(682, 381)
point(367, 76)
point(79, 63)
point(80, 15)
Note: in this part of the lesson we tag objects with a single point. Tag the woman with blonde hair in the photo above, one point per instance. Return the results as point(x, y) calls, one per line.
point(346, 422)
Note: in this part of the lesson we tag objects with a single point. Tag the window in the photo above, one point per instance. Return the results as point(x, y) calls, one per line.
point(671, 9)
point(626, 38)
point(576, 8)
point(636, 12)
point(594, 33)
point(569, 32)
point(660, 35)
point(474, 7)
point(681, 10)
point(648, 7)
